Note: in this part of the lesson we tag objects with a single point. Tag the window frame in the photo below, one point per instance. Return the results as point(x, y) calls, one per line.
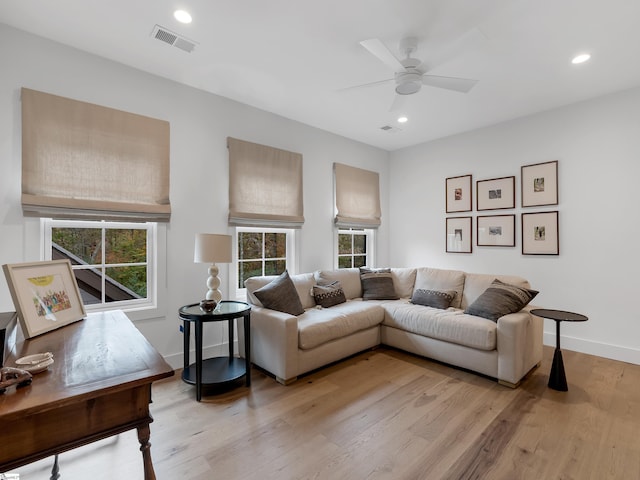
point(290, 259)
point(370, 235)
point(148, 303)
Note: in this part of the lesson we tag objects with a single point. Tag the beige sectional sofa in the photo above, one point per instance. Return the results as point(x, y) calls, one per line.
point(287, 345)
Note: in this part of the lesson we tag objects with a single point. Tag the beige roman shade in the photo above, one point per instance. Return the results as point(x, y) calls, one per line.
point(265, 185)
point(85, 161)
point(357, 197)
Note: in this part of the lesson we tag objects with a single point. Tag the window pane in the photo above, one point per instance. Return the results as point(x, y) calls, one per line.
point(274, 267)
point(248, 270)
point(344, 244)
point(90, 285)
point(125, 283)
point(249, 245)
point(344, 262)
point(275, 245)
point(83, 243)
point(126, 246)
point(359, 260)
point(359, 244)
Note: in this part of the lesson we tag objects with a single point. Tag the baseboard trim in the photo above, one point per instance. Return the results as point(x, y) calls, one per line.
point(613, 352)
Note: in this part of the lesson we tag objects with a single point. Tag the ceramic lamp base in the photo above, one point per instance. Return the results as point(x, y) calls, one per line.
point(213, 282)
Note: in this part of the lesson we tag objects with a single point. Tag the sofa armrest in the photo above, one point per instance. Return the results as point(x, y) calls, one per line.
point(274, 341)
point(519, 343)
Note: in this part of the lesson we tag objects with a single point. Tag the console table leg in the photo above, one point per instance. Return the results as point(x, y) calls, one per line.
point(55, 470)
point(557, 377)
point(144, 434)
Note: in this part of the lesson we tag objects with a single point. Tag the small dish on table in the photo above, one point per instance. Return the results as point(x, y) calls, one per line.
point(36, 363)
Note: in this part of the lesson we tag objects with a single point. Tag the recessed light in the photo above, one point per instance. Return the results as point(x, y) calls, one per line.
point(402, 119)
point(182, 16)
point(583, 57)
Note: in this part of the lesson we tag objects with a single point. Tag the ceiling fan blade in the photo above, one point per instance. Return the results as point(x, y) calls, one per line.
point(380, 50)
point(399, 102)
point(365, 85)
point(450, 83)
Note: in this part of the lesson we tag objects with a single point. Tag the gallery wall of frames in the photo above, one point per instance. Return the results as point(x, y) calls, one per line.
point(495, 207)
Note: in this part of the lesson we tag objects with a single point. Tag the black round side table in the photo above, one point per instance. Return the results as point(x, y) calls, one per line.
point(557, 377)
point(217, 370)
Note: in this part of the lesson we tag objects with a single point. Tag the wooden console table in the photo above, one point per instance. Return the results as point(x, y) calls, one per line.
point(98, 386)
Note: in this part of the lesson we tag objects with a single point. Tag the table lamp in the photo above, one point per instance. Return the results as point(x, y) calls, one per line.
point(212, 248)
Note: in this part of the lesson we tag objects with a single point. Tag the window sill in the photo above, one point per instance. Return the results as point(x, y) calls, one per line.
point(135, 313)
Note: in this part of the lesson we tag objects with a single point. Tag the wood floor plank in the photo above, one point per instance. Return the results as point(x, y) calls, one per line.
point(385, 415)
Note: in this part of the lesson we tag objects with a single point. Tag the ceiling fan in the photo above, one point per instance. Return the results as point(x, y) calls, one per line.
point(410, 73)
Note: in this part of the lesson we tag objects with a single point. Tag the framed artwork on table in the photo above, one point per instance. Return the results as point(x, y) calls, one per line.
point(496, 230)
point(540, 233)
point(496, 193)
point(539, 184)
point(458, 194)
point(459, 235)
point(45, 295)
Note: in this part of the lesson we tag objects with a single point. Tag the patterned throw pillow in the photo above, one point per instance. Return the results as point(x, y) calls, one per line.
point(500, 299)
point(433, 298)
point(329, 295)
point(377, 284)
point(280, 294)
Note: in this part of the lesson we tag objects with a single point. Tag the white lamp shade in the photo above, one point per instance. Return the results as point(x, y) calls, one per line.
point(212, 248)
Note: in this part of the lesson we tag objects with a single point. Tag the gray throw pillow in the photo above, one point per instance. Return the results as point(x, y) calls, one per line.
point(377, 284)
point(329, 295)
point(500, 299)
point(433, 298)
point(280, 294)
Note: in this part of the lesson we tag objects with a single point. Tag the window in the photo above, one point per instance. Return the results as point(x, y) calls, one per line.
point(261, 251)
point(114, 262)
point(355, 247)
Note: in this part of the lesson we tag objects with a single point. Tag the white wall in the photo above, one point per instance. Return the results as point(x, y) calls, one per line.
point(597, 145)
point(200, 123)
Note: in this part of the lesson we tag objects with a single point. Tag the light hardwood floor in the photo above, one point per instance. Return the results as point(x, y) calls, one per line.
point(384, 414)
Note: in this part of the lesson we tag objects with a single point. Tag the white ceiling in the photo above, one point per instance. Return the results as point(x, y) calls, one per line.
point(296, 58)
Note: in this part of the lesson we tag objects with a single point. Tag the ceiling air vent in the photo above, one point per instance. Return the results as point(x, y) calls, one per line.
point(390, 129)
point(172, 38)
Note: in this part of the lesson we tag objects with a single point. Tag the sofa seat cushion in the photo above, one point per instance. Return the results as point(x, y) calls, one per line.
point(451, 325)
point(321, 325)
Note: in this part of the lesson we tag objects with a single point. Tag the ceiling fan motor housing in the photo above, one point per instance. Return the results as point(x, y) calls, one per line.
point(408, 82)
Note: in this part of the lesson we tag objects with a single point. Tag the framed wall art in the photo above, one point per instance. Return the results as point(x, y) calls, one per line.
point(539, 184)
point(540, 233)
point(496, 193)
point(45, 295)
point(458, 194)
point(459, 235)
point(496, 230)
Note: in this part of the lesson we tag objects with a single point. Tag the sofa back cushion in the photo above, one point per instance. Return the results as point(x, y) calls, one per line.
point(349, 278)
point(303, 282)
point(403, 281)
point(476, 283)
point(436, 279)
